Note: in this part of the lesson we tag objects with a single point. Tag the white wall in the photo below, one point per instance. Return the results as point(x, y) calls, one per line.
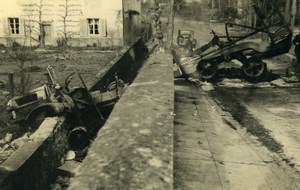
point(107, 10)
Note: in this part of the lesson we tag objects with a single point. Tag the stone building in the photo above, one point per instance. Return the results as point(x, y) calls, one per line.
point(82, 22)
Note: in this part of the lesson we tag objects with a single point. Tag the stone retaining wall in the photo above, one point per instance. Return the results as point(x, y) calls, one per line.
point(31, 166)
point(125, 65)
point(134, 149)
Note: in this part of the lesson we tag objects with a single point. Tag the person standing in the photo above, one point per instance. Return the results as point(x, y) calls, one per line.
point(296, 42)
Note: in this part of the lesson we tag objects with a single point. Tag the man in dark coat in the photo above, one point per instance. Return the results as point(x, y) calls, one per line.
point(296, 42)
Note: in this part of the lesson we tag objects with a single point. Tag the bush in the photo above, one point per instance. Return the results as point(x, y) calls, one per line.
point(15, 44)
point(191, 10)
point(60, 42)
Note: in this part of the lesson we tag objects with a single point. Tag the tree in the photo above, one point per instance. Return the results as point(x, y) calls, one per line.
point(21, 55)
point(68, 9)
point(34, 13)
point(178, 4)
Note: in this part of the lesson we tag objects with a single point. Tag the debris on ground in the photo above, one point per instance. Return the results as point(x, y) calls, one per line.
point(5, 93)
point(238, 83)
point(207, 86)
point(2, 85)
point(8, 146)
point(8, 137)
point(70, 155)
point(280, 83)
point(291, 79)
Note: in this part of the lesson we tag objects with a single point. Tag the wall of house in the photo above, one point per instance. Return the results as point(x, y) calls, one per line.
point(108, 13)
point(9, 9)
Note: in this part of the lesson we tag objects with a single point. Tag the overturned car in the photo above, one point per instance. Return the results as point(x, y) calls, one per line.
point(53, 99)
point(239, 46)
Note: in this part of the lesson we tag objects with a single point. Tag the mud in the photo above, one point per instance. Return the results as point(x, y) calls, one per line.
point(246, 119)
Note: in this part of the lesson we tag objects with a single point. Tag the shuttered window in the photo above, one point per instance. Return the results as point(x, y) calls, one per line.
point(14, 24)
point(93, 26)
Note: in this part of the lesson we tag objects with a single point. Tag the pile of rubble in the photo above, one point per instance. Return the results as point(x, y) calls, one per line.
point(291, 81)
point(8, 145)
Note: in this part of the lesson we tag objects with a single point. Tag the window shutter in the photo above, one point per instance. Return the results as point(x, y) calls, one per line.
point(5, 26)
point(22, 27)
point(83, 27)
point(103, 28)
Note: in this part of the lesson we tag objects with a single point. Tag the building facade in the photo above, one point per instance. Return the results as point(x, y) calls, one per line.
point(81, 22)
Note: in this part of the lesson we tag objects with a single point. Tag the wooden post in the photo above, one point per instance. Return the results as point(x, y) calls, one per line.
point(170, 25)
point(294, 11)
point(288, 11)
point(11, 84)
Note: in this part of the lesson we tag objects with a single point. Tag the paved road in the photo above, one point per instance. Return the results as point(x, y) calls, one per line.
point(275, 110)
point(211, 150)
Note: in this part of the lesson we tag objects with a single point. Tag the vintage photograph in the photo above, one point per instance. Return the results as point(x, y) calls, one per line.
point(150, 95)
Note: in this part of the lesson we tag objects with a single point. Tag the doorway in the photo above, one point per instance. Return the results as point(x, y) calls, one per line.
point(46, 34)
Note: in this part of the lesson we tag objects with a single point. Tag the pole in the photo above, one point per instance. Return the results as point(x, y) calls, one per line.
point(11, 84)
point(294, 11)
point(171, 24)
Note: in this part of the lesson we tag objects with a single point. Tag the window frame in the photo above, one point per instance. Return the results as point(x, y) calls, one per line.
point(93, 26)
point(14, 26)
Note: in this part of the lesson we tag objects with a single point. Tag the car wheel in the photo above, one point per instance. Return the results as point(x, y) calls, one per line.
point(254, 70)
point(207, 70)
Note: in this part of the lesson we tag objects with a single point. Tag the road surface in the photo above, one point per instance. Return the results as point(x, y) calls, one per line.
point(213, 151)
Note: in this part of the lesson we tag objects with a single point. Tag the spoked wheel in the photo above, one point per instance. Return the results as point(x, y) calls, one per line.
point(254, 71)
point(207, 70)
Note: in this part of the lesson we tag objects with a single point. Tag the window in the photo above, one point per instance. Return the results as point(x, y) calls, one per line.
point(14, 24)
point(93, 26)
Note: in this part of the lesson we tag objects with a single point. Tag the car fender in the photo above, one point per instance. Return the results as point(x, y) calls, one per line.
point(37, 115)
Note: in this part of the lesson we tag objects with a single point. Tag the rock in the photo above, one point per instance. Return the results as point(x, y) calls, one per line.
point(291, 79)
point(8, 137)
point(70, 155)
point(2, 141)
point(20, 141)
point(280, 82)
point(5, 93)
point(263, 85)
point(5, 146)
point(2, 84)
point(207, 86)
point(55, 186)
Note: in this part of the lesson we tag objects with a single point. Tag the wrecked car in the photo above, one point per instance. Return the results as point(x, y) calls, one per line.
point(185, 35)
point(205, 61)
point(53, 99)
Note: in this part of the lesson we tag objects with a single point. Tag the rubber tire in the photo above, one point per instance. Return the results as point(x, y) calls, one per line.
point(259, 77)
point(211, 77)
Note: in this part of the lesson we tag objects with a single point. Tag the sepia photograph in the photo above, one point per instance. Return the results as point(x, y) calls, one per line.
point(149, 95)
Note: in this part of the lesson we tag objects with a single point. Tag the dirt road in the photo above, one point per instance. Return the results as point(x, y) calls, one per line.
point(212, 151)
